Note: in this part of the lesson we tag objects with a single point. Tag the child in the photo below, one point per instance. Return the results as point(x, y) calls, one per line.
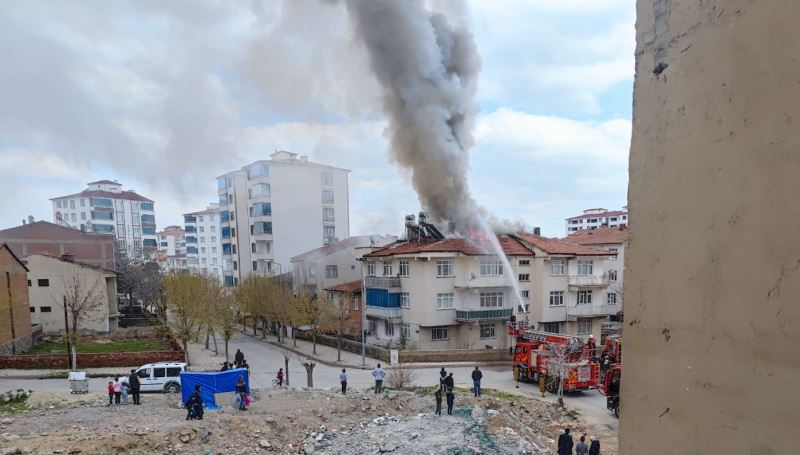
point(438, 395)
point(451, 398)
point(124, 389)
point(117, 390)
point(110, 393)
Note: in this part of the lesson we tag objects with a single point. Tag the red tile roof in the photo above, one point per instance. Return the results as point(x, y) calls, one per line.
point(352, 287)
point(129, 195)
point(48, 231)
point(559, 246)
point(510, 246)
point(82, 264)
point(600, 236)
point(599, 214)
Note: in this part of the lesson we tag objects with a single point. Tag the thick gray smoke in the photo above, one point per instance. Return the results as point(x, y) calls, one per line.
point(428, 69)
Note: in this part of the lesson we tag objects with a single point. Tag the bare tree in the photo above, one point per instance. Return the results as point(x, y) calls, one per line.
point(558, 362)
point(309, 366)
point(84, 294)
point(184, 293)
point(401, 376)
point(303, 314)
point(226, 319)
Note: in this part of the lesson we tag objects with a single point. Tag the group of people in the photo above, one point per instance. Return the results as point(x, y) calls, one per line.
point(120, 388)
point(194, 405)
point(238, 362)
point(566, 444)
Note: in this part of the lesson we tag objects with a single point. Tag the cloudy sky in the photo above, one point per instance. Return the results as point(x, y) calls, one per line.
point(164, 96)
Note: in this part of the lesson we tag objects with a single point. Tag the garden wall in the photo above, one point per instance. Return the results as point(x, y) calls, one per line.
point(117, 359)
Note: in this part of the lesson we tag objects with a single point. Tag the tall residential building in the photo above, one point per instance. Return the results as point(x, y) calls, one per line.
point(172, 240)
point(452, 293)
point(104, 208)
point(597, 218)
point(204, 241)
point(272, 210)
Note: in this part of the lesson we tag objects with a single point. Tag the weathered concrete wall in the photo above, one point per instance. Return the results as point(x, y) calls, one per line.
point(712, 323)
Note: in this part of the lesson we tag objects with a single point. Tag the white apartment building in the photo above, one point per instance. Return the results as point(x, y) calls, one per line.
point(104, 208)
point(453, 294)
point(272, 210)
point(597, 218)
point(172, 241)
point(335, 264)
point(204, 241)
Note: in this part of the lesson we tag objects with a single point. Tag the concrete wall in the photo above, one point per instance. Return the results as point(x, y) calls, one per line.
point(15, 316)
point(712, 324)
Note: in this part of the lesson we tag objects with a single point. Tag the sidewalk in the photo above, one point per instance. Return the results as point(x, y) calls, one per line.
point(107, 372)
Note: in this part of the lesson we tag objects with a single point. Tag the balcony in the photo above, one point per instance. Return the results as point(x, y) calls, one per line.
point(391, 314)
point(588, 281)
point(483, 315)
point(382, 282)
point(477, 282)
point(587, 311)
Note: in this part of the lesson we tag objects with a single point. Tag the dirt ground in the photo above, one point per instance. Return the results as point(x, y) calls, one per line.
point(293, 421)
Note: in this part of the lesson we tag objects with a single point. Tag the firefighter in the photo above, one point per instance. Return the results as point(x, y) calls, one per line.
point(591, 345)
point(541, 384)
point(516, 375)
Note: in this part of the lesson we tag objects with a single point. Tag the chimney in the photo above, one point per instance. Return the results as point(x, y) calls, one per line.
point(537, 231)
point(68, 257)
point(23, 221)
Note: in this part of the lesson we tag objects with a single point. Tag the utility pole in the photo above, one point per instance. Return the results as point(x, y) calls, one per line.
point(11, 315)
point(363, 315)
point(66, 335)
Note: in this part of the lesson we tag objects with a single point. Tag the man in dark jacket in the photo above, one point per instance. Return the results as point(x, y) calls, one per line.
point(594, 447)
point(438, 396)
point(476, 381)
point(194, 405)
point(238, 358)
point(449, 383)
point(442, 377)
point(565, 443)
point(133, 382)
point(451, 399)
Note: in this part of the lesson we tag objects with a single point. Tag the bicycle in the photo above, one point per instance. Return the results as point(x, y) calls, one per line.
point(276, 383)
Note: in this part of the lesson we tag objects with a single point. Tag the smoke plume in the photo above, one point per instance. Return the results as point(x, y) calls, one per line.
point(428, 69)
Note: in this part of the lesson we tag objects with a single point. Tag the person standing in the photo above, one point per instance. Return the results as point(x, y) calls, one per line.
point(451, 399)
point(476, 381)
point(594, 447)
point(442, 377)
point(280, 377)
point(110, 393)
point(133, 380)
point(378, 374)
point(438, 395)
point(516, 375)
point(581, 448)
point(238, 358)
point(117, 391)
point(565, 443)
point(124, 389)
point(449, 383)
point(194, 405)
point(241, 389)
point(343, 380)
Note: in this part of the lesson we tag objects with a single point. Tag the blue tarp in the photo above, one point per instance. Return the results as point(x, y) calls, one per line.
point(212, 382)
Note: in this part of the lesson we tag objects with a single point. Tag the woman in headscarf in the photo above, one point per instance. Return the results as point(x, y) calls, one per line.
point(241, 389)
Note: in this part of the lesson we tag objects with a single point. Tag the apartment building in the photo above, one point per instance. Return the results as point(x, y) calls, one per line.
point(172, 240)
point(347, 297)
point(15, 318)
point(51, 279)
point(204, 241)
point(336, 263)
point(56, 240)
point(272, 210)
point(453, 293)
point(597, 218)
point(104, 208)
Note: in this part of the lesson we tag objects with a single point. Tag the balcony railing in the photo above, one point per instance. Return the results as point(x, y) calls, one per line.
point(584, 310)
point(474, 282)
point(474, 315)
point(588, 280)
point(389, 313)
point(382, 282)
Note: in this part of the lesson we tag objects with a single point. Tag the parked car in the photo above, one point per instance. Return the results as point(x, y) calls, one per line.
point(160, 377)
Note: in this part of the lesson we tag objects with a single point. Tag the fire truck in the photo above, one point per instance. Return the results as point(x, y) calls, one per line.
point(611, 373)
point(535, 355)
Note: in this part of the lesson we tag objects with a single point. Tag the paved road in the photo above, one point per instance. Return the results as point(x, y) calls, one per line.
point(265, 359)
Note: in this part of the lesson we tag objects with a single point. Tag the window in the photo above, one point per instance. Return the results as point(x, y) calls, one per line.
point(327, 214)
point(159, 372)
point(524, 277)
point(173, 372)
point(202, 228)
point(556, 268)
point(491, 299)
point(387, 269)
point(584, 326)
point(491, 268)
point(260, 190)
point(235, 265)
point(331, 271)
point(405, 300)
point(33, 309)
point(45, 309)
point(261, 209)
point(102, 228)
point(444, 268)
point(328, 232)
point(203, 250)
point(444, 301)
point(43, 282)
point(258, 170)
point(255, 265)
point(327, 197)
point(525, 294)
point(552, 327)
point(231, 215)
point(136, 231)
point(611, 298)
point(149, 242)
point(224, 217)
point(252, 247)
point(404, 268)
point(72, 204)
point(260, 227)
point(372, 327)
point(146, 206)
point(584, 297)
point(29, 283)
point(202, 239)
point(612, 275)
point(200, 218)
point(614, 251)
point(233, 249)
point(164, 244)
point(149, 231)
point(438, 333)
point(585, 267)
point(524, 262)
point(327, 179)
point(58, 204)
point(212, 228)
point(356, 301)
point(556, 298)
point(74, 217)
point(487, 330)
point(98, 215)
point(370, 268)
point(405, 331)
point(388, 328)
point(83, 215)
point(213, 239)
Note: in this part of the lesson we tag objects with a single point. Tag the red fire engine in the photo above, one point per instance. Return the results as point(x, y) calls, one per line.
point(611, 373)
point(535, 354)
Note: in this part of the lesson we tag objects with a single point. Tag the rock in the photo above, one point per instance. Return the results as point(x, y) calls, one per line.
point(10, 451)
point(74, 451)
point(308, 449)
point(269, 419)
point(265, 444)
point(204, 435)
point(7, 421)
point(392, 396)
point(388, 448)
point(185, 438)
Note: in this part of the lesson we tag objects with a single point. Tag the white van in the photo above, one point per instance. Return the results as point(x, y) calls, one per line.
point(160, 377)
